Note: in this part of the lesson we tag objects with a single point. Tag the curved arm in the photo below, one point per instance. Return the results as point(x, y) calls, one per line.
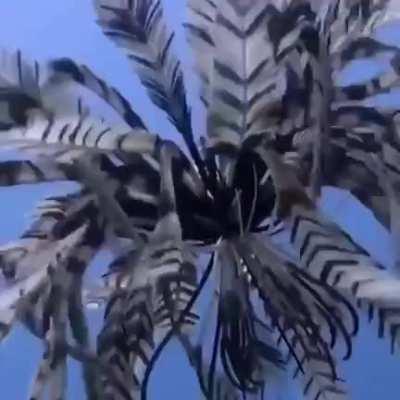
point(21, 172)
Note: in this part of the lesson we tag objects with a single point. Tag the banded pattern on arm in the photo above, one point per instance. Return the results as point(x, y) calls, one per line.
point(246, 84)
point(22, 261)
point(384, 83)
point(15, 297)
point(22, 172)
point(65, 69)
point(130, 332)
point(247, 354)
point(20, 82)
point(171, 266)
point(348, 26)
point(28, 118)
point(331, 256)
point(307, 317)
point(346, 30)
point(112, 349)
point(365, 146)
point(79, 131)
point(60, 307)
point(138, 27)
point(199, 30)
point(173, 293)
point(140, 326)
point(352, 24)
point(158, 280)
point(26, 86)
point(35, 240)
point(361, 48)
point(358, 178)
point(126, 340)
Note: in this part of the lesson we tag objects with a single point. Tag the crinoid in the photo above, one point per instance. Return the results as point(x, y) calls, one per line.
point(279, 127)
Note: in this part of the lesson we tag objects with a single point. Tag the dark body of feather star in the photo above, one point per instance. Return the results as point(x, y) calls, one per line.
point(208, 218)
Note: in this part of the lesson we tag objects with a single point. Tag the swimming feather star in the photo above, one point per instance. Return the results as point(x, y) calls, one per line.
point(279, 127)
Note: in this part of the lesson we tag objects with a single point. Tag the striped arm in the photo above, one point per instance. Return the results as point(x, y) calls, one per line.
point(358, 178)
point(129, 194)
point(139, 29)
point(362, 47)
point(171, 267)
point(354, 24)
point(44, 373)
point(310, 233)
point(245, 81)
point(25, 87)
point(199, 31)
point(57, 218)
point(365, 155)
point(28, 172)
point(17, 292)
point(78, 131)
point(128, 337)
point(35, 240)
point(29, 119)
point(331, 256)
point(65, 69)
point(174, 292)
point(20, 82)
point(246, 356)
point(139, 324)
point(331, 35)
point(20, 73)
point(112, 350)
point(334, 315)
point(384, 83)
point(307, 317)
point(53, 368)
point(152, 298)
